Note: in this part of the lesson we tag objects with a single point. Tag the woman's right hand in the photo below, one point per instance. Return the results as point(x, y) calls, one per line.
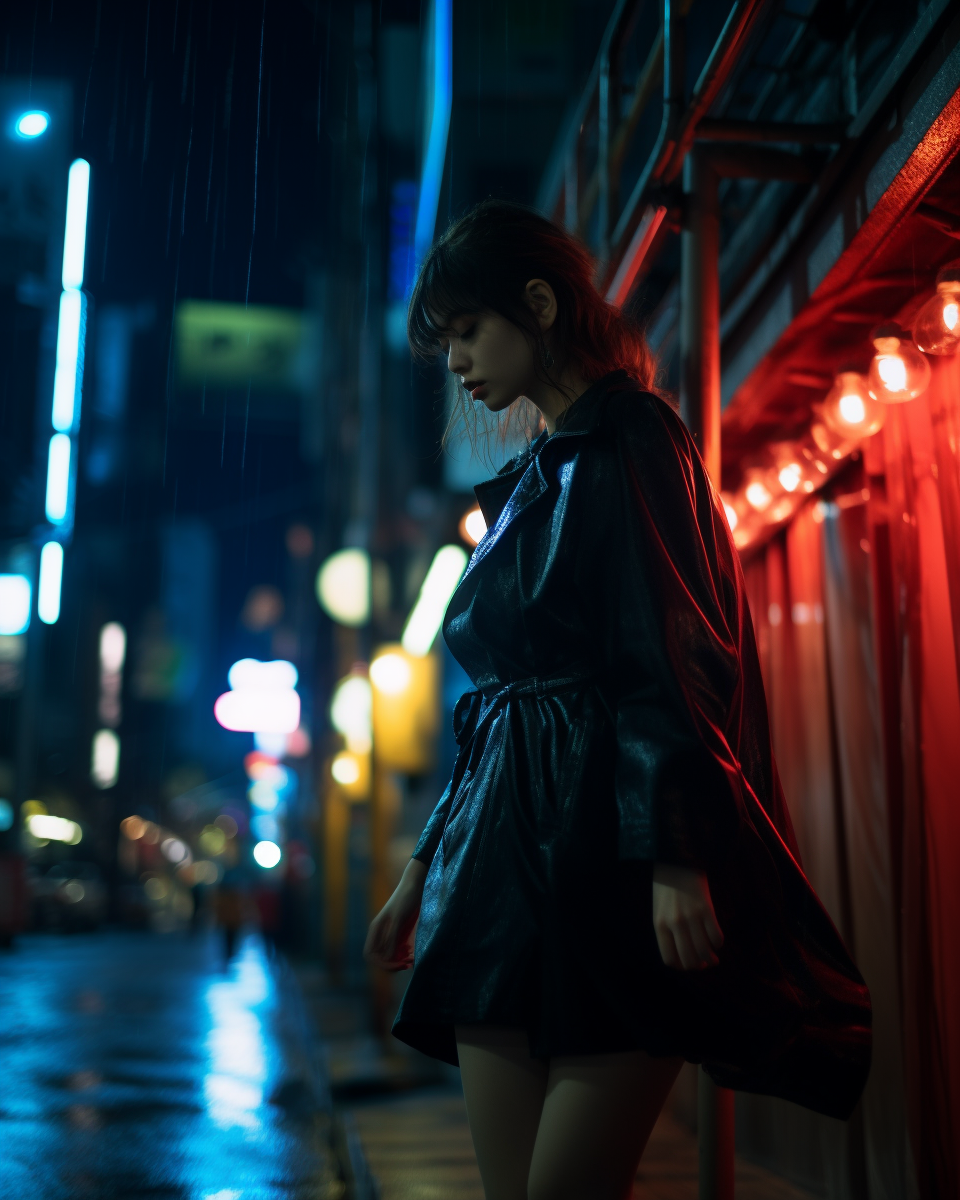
point(389, 943)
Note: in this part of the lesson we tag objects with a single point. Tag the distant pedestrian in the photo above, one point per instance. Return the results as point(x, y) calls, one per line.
point(230, 909)
point(267, 901)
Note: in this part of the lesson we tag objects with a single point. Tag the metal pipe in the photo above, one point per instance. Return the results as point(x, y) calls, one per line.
point(571, 187)
point(753, 162)
point(643, 238)
point(650, 78)
point(723, 58)
point(700, 308)
point(672, 106)
point(667, 156)
point(607, 91)
point(712, 129)
point(700, 409)
point(548, 197)
point(603, 154)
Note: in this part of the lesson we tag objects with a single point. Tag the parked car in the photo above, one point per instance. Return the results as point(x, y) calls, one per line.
point(69, 896)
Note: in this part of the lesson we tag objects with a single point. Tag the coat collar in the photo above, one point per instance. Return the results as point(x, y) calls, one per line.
point(522, 480)
point(578, 420)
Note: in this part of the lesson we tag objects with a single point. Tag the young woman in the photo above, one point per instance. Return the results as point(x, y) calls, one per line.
point(610, 884)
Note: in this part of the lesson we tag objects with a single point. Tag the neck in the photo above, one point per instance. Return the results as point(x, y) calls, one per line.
point(552, 398)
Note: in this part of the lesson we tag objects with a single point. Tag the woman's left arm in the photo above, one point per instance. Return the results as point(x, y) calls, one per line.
point(674, 664)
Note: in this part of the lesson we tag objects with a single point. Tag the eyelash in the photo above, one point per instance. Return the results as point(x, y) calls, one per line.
point(467, 333)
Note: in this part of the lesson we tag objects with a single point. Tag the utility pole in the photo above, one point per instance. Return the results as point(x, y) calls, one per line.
point(700, 408)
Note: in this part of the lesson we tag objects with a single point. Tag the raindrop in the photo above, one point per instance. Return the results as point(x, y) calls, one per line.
point(246, 422)
point(146, 127)
point(256, 161)
point(106, 243)
point(228, 89)
point(213, 142)
point(186, 177)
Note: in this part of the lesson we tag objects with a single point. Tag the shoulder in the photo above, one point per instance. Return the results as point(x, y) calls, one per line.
point(637, 411)
point(644, 430)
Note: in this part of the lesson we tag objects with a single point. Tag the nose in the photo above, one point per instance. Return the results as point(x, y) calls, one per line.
point(457, 361)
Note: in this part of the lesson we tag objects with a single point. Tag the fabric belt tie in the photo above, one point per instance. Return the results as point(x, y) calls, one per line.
point(475, 710)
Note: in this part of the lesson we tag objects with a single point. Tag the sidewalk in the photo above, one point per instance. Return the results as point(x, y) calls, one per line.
point(418, 1148)
point(406, 1119)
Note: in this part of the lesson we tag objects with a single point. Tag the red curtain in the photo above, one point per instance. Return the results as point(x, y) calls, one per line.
point(857, 610)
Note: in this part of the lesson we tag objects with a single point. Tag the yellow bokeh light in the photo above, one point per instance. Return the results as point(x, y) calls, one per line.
point(345, 768)
point(212, 840)
point(405, 717)
point(156, 888)
point(390, 673)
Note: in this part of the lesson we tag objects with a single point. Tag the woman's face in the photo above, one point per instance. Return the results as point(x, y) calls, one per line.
point(494, 358)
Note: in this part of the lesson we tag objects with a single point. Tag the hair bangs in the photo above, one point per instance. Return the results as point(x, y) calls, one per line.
point(439, 294)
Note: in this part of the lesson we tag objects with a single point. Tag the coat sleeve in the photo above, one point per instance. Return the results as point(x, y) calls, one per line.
point(465, 716)
point(672, 658)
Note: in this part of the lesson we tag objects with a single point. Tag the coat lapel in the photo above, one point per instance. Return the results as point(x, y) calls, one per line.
point(529, 486)
point(503, 498)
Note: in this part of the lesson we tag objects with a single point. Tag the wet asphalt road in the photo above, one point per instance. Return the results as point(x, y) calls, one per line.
point(136, 1065)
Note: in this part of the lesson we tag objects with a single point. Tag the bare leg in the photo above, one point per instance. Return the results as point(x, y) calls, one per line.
point(504, 1089)
point(597, 1116)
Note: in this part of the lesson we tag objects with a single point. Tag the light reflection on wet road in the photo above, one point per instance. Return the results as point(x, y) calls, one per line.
point(134, 1065)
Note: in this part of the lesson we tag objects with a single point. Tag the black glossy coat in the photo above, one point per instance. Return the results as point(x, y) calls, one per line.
point(619, 720)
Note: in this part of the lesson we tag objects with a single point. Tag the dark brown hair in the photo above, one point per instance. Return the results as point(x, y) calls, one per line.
point(484, 261)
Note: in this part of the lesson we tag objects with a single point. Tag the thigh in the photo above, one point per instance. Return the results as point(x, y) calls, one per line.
point(597, 1116)
point(504, 1089)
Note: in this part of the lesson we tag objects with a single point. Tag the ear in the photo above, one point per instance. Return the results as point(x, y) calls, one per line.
point(541, 298)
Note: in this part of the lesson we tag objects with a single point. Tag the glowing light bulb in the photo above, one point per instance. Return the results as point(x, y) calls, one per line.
point(899, 372)
point(849, 410)
point(758, 496)
point(892, 371)
point(936, 328)
point(790, 476)
point(731, 514)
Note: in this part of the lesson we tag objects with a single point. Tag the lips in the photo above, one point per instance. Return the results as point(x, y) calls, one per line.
point(474, 387)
